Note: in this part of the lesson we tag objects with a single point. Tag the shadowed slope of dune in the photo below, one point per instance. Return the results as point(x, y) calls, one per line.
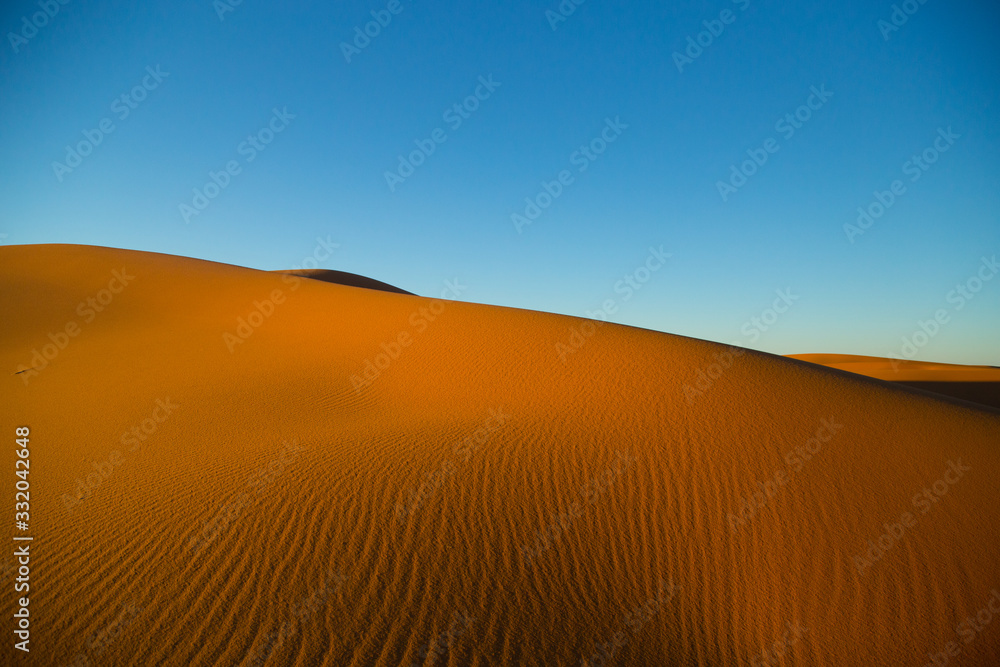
point(977, 384)
point(355, 477)
point(345, 278)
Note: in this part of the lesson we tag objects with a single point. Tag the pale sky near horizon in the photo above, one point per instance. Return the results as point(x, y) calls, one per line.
point(421, 151)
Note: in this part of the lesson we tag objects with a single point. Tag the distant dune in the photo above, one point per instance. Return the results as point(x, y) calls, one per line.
point(344, 278)
point(240, 467)
point(978, 384)
point(897, 370)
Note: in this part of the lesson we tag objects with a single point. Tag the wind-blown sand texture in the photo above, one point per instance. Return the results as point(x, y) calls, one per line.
point(475, 500)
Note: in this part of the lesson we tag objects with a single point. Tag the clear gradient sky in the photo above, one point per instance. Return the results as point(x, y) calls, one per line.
point(223, 68)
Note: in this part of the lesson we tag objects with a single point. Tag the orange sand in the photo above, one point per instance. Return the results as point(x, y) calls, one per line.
point(978, 384)
point(902, 370)
point(479, 502)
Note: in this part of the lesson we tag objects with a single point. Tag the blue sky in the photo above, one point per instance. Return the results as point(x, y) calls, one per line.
point(888, 94)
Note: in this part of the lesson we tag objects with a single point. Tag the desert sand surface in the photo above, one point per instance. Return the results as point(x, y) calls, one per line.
point(978, 384)
point(359, 477)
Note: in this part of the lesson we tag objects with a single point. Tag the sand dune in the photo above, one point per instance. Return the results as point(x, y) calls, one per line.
point(902, 370)
point(977, 384)
point(233, 466)
point(345, 278)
